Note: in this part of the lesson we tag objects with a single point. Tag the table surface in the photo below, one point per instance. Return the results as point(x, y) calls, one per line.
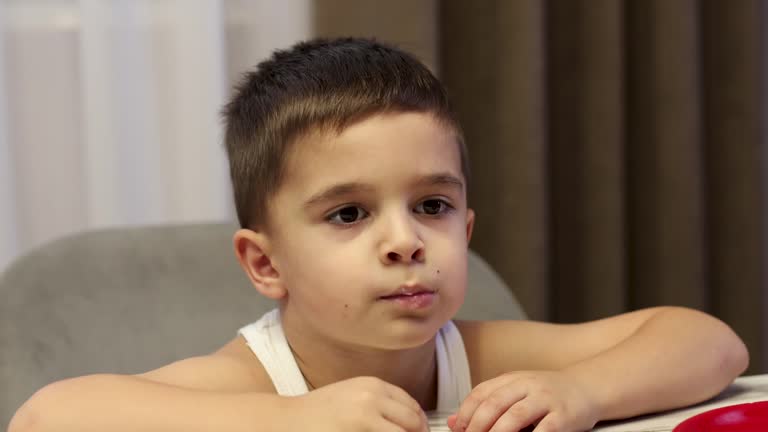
point(744, 389)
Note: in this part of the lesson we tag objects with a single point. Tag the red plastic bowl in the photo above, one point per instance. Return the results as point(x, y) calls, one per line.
point(747, 417)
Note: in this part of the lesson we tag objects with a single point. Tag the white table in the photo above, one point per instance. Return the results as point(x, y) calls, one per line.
point(745, 389)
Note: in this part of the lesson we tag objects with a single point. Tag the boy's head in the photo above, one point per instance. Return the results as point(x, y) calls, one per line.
point(349, 174)
point(319, 85)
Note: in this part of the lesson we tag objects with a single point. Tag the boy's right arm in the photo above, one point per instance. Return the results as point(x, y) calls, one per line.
point(128, 403)
point(213, 393)
point(199, 394)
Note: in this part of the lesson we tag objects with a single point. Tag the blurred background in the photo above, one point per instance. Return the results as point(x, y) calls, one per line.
point(618, 147)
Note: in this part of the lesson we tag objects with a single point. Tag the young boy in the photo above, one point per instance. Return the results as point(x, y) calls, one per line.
point(350, 177)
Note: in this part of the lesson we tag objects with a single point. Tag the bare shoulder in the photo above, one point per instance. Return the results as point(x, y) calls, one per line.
point(232, 368)
point(496, 347)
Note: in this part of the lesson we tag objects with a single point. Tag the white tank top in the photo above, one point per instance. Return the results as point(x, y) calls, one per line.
point(266, 339)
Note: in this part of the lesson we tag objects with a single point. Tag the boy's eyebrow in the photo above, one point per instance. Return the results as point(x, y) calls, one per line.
point(337, 191)
point(342, 189)
point(438, 179)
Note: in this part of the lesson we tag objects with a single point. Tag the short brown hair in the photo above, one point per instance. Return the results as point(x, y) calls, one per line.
point(321, 83)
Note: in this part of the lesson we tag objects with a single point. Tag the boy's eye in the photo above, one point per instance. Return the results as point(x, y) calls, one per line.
point(433, 207)
point(347, 215)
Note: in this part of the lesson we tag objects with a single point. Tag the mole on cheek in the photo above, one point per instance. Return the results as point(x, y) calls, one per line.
point(438, 272)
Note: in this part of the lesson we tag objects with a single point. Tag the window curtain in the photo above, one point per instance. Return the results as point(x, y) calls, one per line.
point(619, 153)
point(109, 112)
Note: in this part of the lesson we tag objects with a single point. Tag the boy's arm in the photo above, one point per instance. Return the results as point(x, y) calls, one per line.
point(131, 404)
point(206, 393)
point(675, 357)
point(226, 391)
point(634, 363)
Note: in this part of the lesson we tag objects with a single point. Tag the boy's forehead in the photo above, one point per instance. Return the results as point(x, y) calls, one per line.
point(420, 129)
point(379, 140)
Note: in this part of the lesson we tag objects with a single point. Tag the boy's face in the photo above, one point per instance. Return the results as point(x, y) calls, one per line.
point(369, 232)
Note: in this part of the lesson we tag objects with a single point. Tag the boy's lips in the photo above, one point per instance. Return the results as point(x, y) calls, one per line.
point(410, 297)
point(407, 291)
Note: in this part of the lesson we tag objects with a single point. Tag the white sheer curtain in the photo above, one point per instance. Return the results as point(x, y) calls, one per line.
point(109, 112)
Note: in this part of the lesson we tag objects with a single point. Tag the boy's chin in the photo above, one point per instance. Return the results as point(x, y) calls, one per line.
point(403, 336)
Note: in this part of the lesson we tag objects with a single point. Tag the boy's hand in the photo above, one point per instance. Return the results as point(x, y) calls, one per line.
point(363, 403)
point(513, 401)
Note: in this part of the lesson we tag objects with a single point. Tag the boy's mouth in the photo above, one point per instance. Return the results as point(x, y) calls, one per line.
point(411, 297)
point(406, 291)
point(395, 296)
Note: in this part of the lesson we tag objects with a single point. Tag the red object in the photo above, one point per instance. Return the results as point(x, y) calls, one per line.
point(747, 417)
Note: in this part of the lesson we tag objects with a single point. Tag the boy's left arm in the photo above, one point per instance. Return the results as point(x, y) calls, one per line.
point(568, 377)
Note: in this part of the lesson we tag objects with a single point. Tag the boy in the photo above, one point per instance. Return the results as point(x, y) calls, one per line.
point(350, 176)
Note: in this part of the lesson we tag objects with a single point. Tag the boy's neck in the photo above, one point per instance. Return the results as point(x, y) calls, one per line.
point(321, 363)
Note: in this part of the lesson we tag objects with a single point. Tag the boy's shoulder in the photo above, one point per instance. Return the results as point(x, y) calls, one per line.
point(231, 368)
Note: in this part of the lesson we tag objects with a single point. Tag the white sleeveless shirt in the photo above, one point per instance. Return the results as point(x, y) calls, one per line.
point(267, 340)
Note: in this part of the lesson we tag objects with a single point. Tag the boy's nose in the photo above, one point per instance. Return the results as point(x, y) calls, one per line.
point(401, 243)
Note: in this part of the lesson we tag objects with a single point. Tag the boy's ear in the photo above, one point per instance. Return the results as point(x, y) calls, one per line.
point(470, 223)
point(253, 253)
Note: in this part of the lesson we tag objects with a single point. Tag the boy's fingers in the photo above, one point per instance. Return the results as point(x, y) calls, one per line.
point(386, 426)
point(522, 414)
point(403, 416)
point(476, 397)
point(550, 423)
point(401, 396)
point(494, 408)
point(451, 421)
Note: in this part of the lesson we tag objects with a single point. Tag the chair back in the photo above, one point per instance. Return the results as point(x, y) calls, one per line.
point(127, 300)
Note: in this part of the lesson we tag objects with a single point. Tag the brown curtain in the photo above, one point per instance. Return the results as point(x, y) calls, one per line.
point(619, 151)
point(618, 146)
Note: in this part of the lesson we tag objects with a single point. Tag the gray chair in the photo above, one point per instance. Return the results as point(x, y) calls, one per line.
point(127, 300)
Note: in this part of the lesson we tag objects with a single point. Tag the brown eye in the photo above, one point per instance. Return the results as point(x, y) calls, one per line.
point(347, 215)
point(433, 207)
